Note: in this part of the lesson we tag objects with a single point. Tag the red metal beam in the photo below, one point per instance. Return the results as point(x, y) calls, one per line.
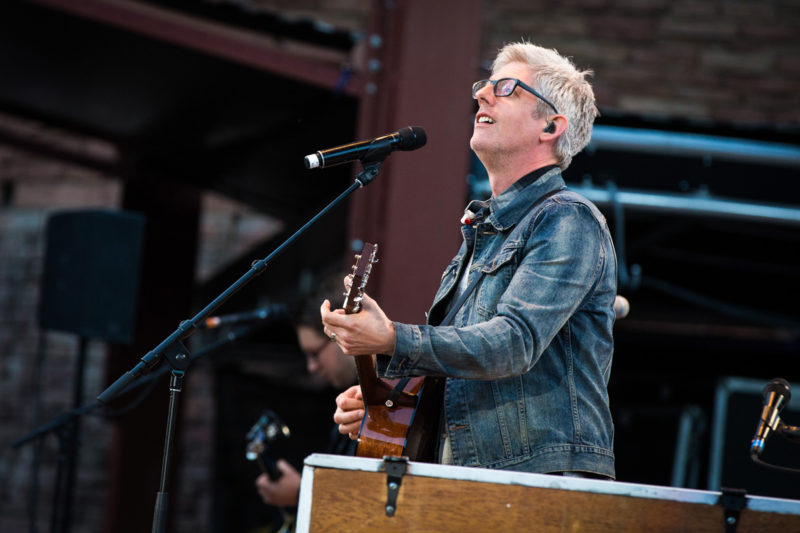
point(428, 54)
point(234, 44)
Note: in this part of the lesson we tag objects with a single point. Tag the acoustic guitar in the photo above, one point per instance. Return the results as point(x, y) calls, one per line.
point(402, 415)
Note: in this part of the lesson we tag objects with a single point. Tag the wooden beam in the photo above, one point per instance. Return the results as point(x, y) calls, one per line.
point(305, 63)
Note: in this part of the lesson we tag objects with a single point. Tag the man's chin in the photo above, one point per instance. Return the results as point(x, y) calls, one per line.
point(476, 144)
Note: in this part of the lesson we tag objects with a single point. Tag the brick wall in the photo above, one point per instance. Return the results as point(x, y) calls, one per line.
point(32, 189)
point(736, 62)
point(689, 59)
point(31, 372)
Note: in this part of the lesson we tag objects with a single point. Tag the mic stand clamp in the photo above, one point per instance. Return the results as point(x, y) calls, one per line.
point(369, 173)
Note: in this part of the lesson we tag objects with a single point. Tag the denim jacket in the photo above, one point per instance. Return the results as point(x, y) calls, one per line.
point(528, 354)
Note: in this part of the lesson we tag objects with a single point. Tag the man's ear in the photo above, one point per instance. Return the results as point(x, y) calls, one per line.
point(557, 125)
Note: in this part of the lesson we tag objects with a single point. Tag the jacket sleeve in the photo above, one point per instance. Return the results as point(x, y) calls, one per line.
point(560, 261)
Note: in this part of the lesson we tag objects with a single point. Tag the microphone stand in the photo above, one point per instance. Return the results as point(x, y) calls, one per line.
point(62, 424)
point(178, 357)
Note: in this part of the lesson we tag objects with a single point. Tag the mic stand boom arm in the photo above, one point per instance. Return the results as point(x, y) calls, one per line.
point(172, 348)
point(187, 327)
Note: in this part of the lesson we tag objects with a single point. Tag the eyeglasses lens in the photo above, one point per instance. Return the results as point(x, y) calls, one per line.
point(505, 87)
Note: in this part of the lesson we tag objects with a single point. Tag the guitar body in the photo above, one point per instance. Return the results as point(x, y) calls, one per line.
point(402, 415)
point(384, 430)
point(403, 430)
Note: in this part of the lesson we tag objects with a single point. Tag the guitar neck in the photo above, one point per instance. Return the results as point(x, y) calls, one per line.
point(372, 388)
point(368, 378)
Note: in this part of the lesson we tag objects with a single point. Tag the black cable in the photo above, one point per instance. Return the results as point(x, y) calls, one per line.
point(775, 467)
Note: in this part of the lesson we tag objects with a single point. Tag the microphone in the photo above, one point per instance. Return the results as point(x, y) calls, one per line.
point(271, 312)
point(776, 395)
point(621, 306)
point(369, 151)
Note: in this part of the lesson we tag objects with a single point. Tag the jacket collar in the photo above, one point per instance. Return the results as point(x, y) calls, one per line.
point(514, 203)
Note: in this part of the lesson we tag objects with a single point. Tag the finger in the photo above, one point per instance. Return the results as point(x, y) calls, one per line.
point(325, 308)
point(353, 391)
point(349, 417)
point(335, 320)
point(351, 404)
point(350, 413)
point(351, 430)
point(367, 301)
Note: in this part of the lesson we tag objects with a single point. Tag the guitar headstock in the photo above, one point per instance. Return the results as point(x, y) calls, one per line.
point(361, 271)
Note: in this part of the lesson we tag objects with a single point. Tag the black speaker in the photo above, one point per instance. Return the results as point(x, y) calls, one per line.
point(91, 274)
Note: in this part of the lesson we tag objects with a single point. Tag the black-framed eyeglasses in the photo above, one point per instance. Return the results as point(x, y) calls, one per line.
point(505, 87)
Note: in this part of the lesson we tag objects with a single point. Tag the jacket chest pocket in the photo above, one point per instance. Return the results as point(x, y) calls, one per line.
point(436, 313)
point(497, 274)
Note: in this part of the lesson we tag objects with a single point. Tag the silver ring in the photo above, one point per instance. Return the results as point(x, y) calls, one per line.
point(333, 337)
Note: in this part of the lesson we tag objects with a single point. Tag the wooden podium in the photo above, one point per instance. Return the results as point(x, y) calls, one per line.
point(357, 494)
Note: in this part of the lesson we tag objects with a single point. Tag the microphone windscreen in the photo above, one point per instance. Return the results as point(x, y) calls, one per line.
point(779, 386)
point(411, 138)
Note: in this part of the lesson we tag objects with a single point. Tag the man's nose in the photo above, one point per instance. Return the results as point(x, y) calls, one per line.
point(485, 93)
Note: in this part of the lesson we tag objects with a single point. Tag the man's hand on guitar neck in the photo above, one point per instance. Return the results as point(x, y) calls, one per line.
point(364, 333)
point(349, 411)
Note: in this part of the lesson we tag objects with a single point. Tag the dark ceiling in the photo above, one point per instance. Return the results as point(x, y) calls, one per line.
point(172, 112)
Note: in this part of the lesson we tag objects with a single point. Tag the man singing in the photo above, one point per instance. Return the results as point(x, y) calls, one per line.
point(527, 355)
